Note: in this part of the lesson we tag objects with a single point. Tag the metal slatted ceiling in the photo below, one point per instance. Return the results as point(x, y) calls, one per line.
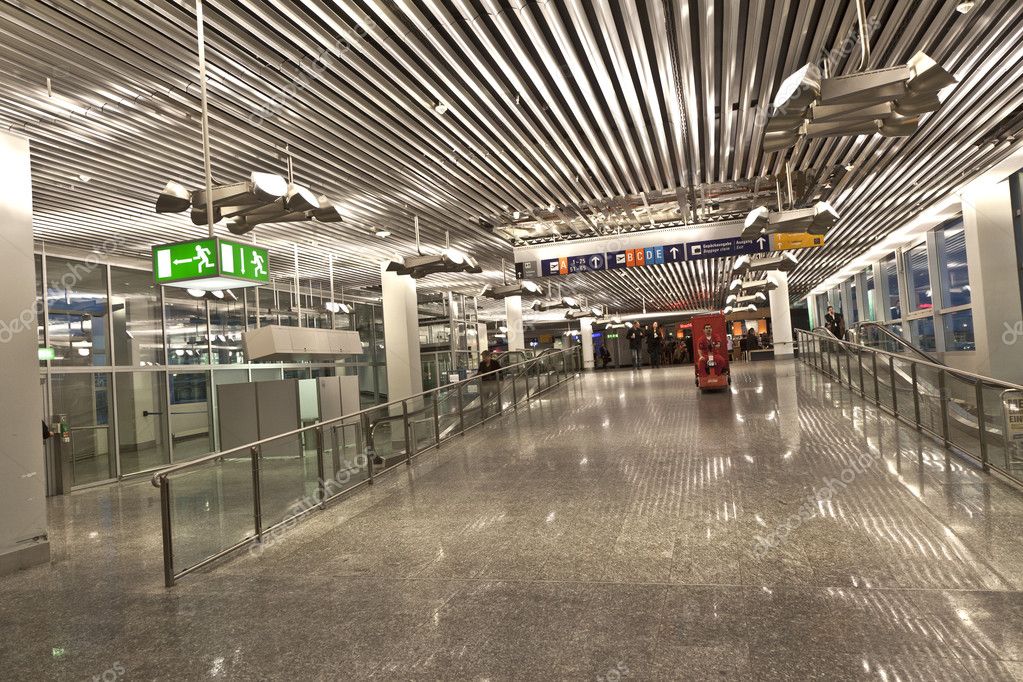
point(556, 101)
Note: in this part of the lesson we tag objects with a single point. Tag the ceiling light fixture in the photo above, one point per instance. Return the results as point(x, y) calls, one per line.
point(889, 102)
point(263, 198)
point(523, 288)
point(817, 219)
point(783, 262)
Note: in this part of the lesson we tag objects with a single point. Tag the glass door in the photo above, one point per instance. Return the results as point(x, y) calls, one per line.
point(85, 399)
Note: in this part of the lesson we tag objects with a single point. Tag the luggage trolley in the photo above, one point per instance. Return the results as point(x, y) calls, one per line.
point(710, 350)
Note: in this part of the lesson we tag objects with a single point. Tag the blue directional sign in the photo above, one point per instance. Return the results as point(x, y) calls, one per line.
point(577, 264)
point(550, 267)
point(722, 248)
point(616, 260)
point(674, 253)
point(595, 261)
point(653, 255)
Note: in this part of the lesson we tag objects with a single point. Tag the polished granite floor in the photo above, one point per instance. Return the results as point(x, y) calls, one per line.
point(624, 527)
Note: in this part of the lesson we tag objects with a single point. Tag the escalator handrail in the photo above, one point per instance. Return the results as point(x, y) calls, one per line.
point(896, 338)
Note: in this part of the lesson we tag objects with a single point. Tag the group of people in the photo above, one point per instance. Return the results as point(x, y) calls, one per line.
point(653, 336)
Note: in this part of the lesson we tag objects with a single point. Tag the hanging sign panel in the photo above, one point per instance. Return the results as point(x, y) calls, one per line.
point(211, 264)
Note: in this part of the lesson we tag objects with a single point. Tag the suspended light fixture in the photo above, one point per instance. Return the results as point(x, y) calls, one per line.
point(523, 288)
point(583, 312)
point(421, 265)
point(817, 219)
point(889, 102)
point(565, 302)
point(766, 285)
point(783, 262)
point(735, 299)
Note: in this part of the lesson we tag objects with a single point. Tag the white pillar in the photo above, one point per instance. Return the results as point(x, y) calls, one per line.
point(401, 335)
point(994, 281)
point(781, 316)
point(513, 313)
point(481, 336)
point(23, 540)
point(586, 335)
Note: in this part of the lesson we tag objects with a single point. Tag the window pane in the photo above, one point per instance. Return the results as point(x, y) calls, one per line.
point(869, 278)
point(141, 425)
point(76, 294)
point(955, 277)
point(921, 333)
point(918, 278)
point(186, 328)
point(959, 330)
point(227, 322)
point(138, 324)
point(891, 279)
point(854, 306)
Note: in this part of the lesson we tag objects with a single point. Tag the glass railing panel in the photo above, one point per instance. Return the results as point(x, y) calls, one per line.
point(387, 432)
point(287, 478)
point(490, 397)
point(447, 408)
point(471, 394)
point(928, 382)
point(998, 454)
point(347, 466)
point(962, 414)
point(423, 427)
point(902, 369)
point(211, 509)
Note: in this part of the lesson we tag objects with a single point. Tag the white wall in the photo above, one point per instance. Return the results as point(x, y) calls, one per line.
point(401, 335)
point(22, 473)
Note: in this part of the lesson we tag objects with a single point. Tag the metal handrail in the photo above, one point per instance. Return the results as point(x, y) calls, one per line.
point(214, 456)
point(929, 363)
point(894, 337)
point(816, 356)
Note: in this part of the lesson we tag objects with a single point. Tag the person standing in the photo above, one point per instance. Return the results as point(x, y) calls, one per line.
point(654, 340)
point(835, 323)
point(635, 337)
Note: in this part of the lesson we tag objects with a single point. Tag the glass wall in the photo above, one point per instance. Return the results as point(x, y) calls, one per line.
point(918, 279)
point(890, 275)
point(136, 365)
point(868, 278)
point(950, 245)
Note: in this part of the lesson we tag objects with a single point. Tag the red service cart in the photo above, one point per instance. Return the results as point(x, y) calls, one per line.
point(710, 348)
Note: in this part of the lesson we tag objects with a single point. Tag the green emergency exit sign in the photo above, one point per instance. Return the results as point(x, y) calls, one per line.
point(211, 264)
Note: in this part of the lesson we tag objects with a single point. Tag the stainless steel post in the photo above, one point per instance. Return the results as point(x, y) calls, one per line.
point(848, 368)
point(859, 363)
point(408, 442)
point(515, 391)
point(436, 418)
point(981, 423)
point(942, 395)
point(877, 385)
point(321, 472)
point(895, 390)
point(257, 504)
point(165, 522)
point(916, 394)
point(367, 438)
point(461, 409)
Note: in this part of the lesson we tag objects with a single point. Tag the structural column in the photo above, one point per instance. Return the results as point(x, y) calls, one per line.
point(586, 336)
point(513, 314)
point(781, 316)
point(994, 280)
point(23, 539)
point(401, 335)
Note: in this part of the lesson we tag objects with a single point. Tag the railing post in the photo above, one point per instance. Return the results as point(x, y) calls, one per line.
point(981, 427)
point(942, 395)
point(916, 394)
point(409, 443)
point(257, 504)
point(515, 391)
point(436, 418)
point(895, 390)
point(859, 363)
point(367, 438)
point(848, 368)
point(877, 385)
point(321, 474)
point(165, 522)
point(461, 410)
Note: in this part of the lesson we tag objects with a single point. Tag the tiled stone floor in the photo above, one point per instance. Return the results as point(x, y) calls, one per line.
point(607, 532)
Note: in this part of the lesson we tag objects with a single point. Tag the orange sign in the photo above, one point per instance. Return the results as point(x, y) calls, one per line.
point(782, 241)
point(563, 266)
point(640, 257)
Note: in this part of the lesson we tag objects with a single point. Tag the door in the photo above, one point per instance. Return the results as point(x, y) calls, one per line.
point(85, 399)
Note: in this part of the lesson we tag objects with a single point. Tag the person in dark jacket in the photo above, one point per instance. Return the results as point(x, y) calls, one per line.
point(490, 380)
point(835, 323)
point(654, 341)
point(635, 337)
point(605, 356)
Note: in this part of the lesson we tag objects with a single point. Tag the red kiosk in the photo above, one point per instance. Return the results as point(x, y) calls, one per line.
point(710, 348)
